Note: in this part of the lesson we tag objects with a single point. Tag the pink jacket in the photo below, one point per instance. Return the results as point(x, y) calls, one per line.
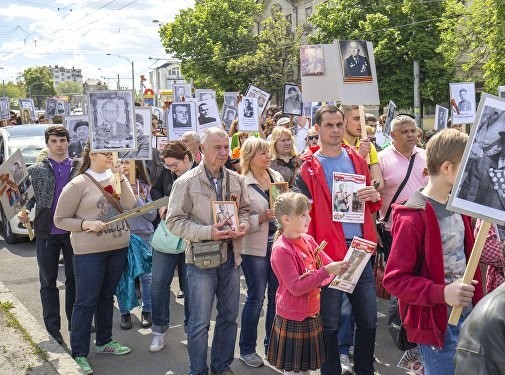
point(294, 283)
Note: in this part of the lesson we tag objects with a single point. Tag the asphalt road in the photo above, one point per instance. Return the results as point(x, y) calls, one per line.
point(19, 272)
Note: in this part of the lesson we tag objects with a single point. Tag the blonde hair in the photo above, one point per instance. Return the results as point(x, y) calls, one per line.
point(289, 203)
point(249, 148)
point(277, 133)
point(447, 145)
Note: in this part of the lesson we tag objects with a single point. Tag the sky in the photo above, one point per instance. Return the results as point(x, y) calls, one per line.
point(80, 33)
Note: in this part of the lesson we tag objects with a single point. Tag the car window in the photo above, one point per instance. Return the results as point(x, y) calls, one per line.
point(30, 147)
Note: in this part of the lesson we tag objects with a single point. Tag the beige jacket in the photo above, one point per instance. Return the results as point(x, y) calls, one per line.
point(255, 242)
point(189, 214)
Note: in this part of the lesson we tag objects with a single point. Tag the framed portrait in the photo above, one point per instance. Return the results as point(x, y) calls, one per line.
point(111, 120)
point(354, 57)
point(15, 185)
point(161, 142)
point(5, 108)
point(226, 212)
point(462, 102)
point(158, 112)
point(62, 108)
point(204, 94)
point(230, 99)
point(248, 118)
point(180, 118)
point(312, 60)
point(293, 103)
point(261, 96)
point(479, 188)
point(78, 129)
point(501, 91)
point(208, 115)
point(441, 116)
point(389, 117)
point(230, 113)
point(50, 110)
point(275, 189)
point(144, 136)
point(182, 90)
point(26, 115)
point(27, 103)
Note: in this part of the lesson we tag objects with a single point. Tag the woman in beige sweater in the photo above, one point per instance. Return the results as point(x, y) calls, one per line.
point(100, 250)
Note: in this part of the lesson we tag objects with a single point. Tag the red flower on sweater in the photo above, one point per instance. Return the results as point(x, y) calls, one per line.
point(109, 189)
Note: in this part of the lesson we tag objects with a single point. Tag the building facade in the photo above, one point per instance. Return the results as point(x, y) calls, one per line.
point(61, 74)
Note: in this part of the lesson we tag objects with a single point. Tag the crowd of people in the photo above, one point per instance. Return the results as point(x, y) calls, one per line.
point(408, 176)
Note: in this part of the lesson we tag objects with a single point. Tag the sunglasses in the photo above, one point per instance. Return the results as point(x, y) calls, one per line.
point(312, 137)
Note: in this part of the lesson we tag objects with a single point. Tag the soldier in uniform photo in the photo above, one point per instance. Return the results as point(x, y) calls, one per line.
point(356, 65)
point(464, 104)
point(75, 148)
point(223, 216)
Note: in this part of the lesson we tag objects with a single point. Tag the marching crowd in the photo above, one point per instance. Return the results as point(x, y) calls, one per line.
point(308, 325)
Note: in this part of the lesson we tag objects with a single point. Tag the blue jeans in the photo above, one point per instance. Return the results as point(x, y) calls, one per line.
point(258, 273)
point(364, 308)
point(440, 361)
point(48, 255)
point(203, 285)
point(163, 274)
point(146, 281)
point(346, 326)
point(96, 279)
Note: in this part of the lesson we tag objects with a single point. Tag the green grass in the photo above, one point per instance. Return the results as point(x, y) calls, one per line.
point(12, 321)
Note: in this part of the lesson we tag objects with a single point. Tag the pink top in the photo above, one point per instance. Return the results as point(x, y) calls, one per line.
point(394, 167)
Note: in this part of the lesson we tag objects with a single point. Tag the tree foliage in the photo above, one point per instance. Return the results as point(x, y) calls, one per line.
point(38, 84)
point(401, 32)
point(207, 36)
point(275, 59)
point(13, 91)
point(69, 88)
point(474, 38)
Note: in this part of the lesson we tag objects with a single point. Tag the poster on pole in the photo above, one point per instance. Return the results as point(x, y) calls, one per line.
point(181, 91)
point(389, 117)
point(441, 116)
point(262, 97)
point(78, 129)
point(180, 118)
point(15, 185)
point(462, 102)
point(248, 120)
point(5, 108)
point(293, 103)
point(208, 115)
point(204, 94)
point(479, 188)
point(144, 136)
point(27, 103)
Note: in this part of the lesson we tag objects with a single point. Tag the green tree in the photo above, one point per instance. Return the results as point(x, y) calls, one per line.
point(275, 59)
point(38, 84)
point(474, 39)
point(69, 88)
point(207, 36)
point(401, 32)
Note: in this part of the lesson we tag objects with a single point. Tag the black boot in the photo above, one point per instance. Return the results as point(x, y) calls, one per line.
point(147, 320)
point(126, 321)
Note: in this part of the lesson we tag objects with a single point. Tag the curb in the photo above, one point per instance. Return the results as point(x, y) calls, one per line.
point(59, 359)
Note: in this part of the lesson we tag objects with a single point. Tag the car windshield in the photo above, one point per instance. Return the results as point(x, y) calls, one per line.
point(29, 146)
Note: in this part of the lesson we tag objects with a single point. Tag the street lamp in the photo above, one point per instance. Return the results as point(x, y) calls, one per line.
point(133, 69)
point(3, 83)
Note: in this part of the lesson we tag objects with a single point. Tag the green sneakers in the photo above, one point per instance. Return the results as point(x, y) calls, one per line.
point(84, 365)
point(113, 347)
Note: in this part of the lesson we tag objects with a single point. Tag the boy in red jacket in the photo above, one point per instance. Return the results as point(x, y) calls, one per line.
point(428, 258)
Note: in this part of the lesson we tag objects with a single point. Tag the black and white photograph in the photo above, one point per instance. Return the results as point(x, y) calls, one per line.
point(480, 184)
point(230, 99)
point(248, 117)
point(78, 129)
point(204, 94)
point(182, 90)
point(26, 116)
point(4, 108)
point(181, 118)
point(355, 61)
point(161, 142)
point(230, 113)
point(112, 121)
point(158, 112)
point(262, 97)
point(226, 212)
point(27, 103)
point(144, 134)
point(208, 115)
point(389, 117)
point(441, 116)
point(50, 110)
point(292, 100)
point(61, 108)
point(501, 91)
point(462, 102)
point(312, 60)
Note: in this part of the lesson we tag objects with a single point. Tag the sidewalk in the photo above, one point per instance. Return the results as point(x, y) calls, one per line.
point(17, 355)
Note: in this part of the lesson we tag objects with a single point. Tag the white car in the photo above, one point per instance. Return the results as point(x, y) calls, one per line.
point(30, 140)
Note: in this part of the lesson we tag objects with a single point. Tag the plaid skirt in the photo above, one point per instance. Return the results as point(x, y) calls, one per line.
point(296, 346)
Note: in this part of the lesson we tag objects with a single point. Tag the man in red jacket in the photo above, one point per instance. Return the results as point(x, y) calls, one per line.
point(315, 180)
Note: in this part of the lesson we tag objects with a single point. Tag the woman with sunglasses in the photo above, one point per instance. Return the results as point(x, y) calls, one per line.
point(178, 160)
point(85, 205)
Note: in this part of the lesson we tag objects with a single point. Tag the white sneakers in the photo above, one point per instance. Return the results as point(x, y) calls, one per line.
point(158, 341)
point(345, 364)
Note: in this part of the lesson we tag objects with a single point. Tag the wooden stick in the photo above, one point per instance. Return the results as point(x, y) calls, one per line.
point(117, 176)
point(28, 225)
point(132, 175)
point(471, 267)
point(364, 134)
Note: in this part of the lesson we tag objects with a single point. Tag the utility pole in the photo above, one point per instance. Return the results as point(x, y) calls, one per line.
point(417, 94)
point(118, 87)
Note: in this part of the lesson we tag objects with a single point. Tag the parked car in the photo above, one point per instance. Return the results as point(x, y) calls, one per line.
point(30, 140)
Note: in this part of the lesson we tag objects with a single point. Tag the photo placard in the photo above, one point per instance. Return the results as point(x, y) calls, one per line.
point(462, 102)
point(143, 118)
point(78, 129)
point(441, 116)
point(5, 108)
point(226, 212)
point(181, 118)
point(248, 115)
point(261, 96)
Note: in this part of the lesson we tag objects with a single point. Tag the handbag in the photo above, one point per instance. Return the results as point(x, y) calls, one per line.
point(396, 328)
point(166, 242)
point(378, 271)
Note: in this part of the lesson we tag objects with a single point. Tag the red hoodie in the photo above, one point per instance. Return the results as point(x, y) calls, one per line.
point(322, 227)
point(415, 270)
